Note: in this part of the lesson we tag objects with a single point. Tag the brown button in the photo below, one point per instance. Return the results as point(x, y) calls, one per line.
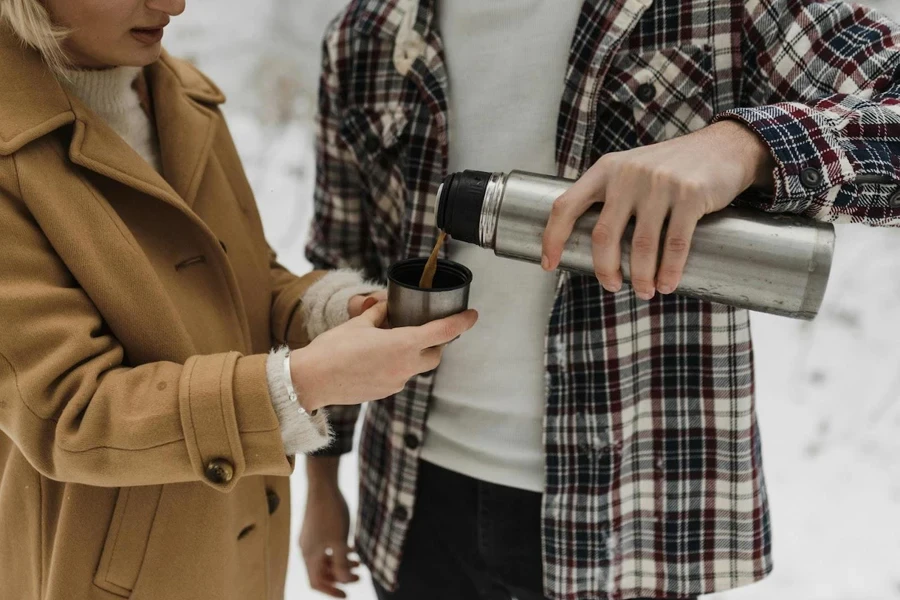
point(219, 470)
point(273, 500)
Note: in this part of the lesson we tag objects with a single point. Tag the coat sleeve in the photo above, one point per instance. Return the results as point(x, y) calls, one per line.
point(78, 412)
point(823, 83)
point(288, 290)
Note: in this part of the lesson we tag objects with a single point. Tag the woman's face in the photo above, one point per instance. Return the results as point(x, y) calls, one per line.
point(113, 33)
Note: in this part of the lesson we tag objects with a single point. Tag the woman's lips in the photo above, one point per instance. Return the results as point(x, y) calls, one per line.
point(148, 36)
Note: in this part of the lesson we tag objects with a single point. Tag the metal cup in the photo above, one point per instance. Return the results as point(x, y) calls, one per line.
point(410, 305)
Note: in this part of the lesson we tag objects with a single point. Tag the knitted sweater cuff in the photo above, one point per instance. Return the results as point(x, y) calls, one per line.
point(325, 303)
point(301, 433)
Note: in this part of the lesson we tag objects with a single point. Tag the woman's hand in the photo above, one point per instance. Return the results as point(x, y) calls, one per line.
point(361, 303)
point(358, 362)
point(680, 180)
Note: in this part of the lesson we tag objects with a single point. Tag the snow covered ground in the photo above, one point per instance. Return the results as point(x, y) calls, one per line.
point(829, 392)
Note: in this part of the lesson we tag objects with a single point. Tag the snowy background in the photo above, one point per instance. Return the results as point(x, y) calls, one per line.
point(829, 392)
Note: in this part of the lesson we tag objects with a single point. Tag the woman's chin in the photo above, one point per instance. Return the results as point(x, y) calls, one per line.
point(146, 55)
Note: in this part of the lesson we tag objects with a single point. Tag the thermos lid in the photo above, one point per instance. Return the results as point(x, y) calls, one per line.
point(460, 200)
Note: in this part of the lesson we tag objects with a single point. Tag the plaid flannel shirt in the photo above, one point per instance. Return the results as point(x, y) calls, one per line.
point(654, 482)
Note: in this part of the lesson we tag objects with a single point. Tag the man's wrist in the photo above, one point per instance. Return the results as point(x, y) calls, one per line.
point(322, 473)
point(754, 153)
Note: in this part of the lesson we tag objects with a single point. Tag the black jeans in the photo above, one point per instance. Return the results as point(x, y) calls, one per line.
point(470, 540)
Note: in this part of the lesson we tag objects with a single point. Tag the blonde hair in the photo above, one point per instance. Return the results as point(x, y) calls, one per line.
point(31, 23)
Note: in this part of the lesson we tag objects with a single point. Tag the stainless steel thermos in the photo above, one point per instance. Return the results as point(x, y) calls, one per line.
point(750, 259)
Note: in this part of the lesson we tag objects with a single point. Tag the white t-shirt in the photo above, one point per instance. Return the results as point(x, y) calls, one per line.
point(507, 62)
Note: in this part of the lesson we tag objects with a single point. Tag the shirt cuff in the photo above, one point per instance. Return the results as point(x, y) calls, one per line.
point(810, 158)
point(325, 303)
point(300, 432)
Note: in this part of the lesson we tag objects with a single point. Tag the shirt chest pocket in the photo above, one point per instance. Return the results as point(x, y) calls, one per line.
point(378, 138)
point(658, 95)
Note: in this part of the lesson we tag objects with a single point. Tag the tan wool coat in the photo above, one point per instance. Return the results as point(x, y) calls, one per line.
point(140, 455)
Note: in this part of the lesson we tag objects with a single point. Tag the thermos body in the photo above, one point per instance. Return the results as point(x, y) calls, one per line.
point(771, 263)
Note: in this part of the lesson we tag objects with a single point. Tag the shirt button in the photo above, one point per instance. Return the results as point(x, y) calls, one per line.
point(895, 199)
point(400, 513)
point(411, 441)
point(373, 145)
point(219, 470)
point(646, 92)
point(272, 500)
point(811, 178)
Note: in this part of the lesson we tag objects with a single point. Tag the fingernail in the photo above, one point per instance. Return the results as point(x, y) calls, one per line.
point(665, 288)
point(545, 262)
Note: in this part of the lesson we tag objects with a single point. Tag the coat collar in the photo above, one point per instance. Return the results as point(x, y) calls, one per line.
point(384, 18)
point(34, 104)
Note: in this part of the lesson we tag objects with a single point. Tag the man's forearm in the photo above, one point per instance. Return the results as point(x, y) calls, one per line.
point(322, 472)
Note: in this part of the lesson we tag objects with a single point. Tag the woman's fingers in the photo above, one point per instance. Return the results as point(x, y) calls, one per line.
point(443, 331)
point(431, 358)
point(375, 315)
point(369, 302)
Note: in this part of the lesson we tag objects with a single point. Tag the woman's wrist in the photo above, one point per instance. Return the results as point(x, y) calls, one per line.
point(303, 375)
point(302, 430)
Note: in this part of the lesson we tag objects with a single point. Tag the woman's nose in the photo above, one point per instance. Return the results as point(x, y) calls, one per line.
point(170, 7)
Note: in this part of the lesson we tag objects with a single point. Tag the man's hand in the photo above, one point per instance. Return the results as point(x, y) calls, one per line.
point(680, 180)
point(361, 303)
point(326, 528)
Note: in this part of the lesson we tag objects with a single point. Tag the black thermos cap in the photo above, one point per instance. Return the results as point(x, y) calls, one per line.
point(459, 207)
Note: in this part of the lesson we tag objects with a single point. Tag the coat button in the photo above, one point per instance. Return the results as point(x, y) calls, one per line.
point(219, 470)
point(273, 501)
point(895, 199)
point(400, 513)
point(411, 441)
point(811, 178)
point(646, 92)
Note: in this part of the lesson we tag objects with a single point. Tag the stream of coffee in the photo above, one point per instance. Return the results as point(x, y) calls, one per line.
point(431, 266)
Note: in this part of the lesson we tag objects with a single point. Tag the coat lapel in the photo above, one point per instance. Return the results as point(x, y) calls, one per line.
point(97, 147)
point(185, 123)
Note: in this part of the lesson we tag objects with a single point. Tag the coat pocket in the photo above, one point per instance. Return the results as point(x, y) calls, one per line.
point(668, 92)
point(126, 541)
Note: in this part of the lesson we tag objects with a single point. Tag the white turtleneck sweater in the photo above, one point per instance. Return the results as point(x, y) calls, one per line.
point(111, 94)
point(507, 64)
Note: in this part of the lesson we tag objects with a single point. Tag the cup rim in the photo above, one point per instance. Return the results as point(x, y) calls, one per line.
point(442, 262)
